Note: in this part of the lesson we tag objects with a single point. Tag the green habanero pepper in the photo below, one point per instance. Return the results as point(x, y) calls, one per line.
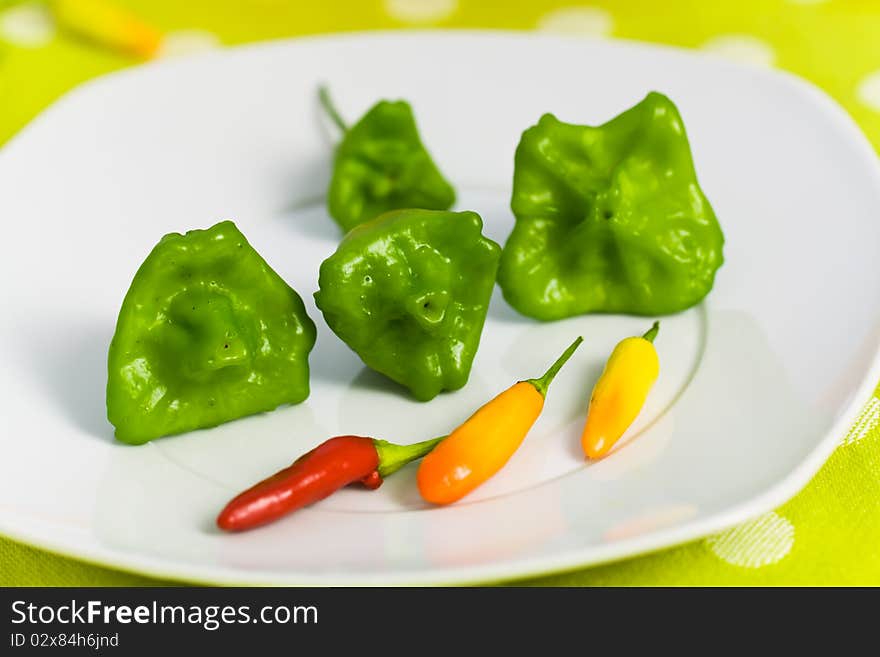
point(609, 218)
point(381, 165)
point(408, 292)
point(207, 333)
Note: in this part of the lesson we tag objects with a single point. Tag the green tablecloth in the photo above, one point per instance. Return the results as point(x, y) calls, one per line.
point(830, 532)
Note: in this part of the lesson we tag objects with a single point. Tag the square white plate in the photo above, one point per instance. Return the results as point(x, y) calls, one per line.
point(757, 384)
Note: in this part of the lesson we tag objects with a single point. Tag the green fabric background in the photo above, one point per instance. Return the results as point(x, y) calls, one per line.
point(830, 532)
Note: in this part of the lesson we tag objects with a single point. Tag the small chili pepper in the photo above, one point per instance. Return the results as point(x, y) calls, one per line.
point(105, 23)
point(381, 164)
point(485, 442)
point(208, 332)
point(620, 392)
point(335, 463)
point(409, 292)
point(609, 218)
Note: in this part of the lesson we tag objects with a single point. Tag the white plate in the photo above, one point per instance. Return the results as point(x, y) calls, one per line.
point(756, 386)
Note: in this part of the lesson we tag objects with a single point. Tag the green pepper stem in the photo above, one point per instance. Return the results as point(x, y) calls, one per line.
point(544, 382)
point(393, 457)
point(652, 332)
point(330, 108)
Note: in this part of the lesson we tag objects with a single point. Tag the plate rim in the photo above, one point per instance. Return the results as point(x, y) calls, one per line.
point(516, 569)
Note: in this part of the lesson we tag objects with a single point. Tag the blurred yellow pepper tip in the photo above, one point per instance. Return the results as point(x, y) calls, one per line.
point(109, 25)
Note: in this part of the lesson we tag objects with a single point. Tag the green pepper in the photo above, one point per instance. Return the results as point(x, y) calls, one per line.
point(207, 333)
point(381, 165)
point(609, 218)
point(408, 292)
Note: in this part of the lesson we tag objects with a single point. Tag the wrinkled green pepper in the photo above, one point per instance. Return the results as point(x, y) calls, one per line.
point(408, 292)
point(207, 333)
point(381, 165)
point(609, 218)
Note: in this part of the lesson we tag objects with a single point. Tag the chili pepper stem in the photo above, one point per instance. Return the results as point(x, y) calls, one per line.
point(652, 332)
point(542, 384)
point(330, 108)
point(393, 457)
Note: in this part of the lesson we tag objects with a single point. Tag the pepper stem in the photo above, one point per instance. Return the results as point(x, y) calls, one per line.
point(330, 108)
point(652, 332)
point(544, 382)
point(393, 457)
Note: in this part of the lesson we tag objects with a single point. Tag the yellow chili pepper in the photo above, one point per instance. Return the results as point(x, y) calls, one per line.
point(620, 392)
point(108, 24)
point(485, 442)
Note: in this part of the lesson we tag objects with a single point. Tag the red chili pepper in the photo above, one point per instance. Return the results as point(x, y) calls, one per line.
point(333, 464)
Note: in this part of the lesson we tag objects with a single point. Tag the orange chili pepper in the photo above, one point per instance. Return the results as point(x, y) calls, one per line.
point(485, 442)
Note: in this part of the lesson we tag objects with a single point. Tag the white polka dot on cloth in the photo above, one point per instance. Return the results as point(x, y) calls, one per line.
point(420, 12)
point(584, 21)
point(29, 26)
point(869, 90)
point(742, 48)
point(760, 542)
point(186, 42)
